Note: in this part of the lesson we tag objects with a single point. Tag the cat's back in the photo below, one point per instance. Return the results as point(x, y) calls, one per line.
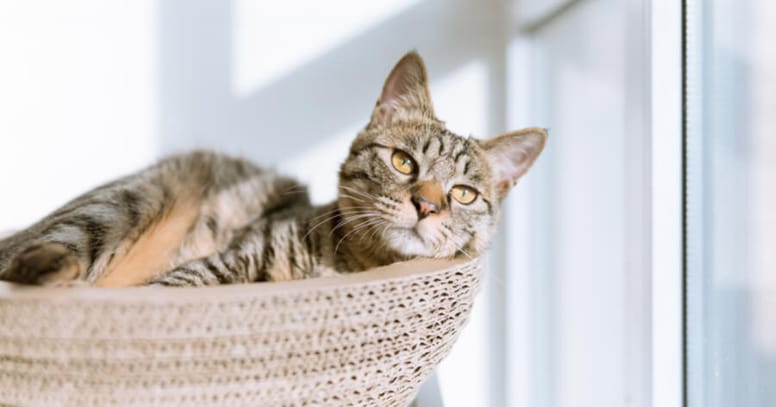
point(197, 176)
point(232, 189)
point(204, 169)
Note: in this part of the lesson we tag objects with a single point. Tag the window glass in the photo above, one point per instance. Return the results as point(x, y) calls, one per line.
point(577, 314)
point(731, 210)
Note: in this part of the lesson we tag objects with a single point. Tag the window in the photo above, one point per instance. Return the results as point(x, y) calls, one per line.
point(580, 290)
point(731, 203)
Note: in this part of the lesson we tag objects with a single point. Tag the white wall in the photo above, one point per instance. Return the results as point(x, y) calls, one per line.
point(78, 99)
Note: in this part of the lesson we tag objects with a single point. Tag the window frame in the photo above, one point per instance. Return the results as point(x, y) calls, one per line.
point(655, 360)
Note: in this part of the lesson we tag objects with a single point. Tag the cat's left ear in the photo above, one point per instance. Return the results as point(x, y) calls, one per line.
point(510, 155)
point(405, 92)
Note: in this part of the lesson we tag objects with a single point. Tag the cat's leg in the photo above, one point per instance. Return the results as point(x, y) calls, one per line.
point(80, 240)
point(245, 260)
point(267, 250)
point(77, 241)
point(230, 267)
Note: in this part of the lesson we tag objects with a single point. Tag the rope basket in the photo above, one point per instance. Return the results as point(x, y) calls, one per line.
point(367, 338)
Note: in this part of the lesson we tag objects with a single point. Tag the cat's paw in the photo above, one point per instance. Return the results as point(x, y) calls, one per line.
point(323, 272)
point(46, 264)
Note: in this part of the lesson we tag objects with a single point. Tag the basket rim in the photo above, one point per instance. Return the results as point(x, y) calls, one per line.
point(393, 272)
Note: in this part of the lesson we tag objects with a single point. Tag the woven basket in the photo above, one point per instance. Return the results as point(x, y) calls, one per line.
point(367, 338)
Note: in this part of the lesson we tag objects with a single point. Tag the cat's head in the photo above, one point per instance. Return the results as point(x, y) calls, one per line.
point(411, 187)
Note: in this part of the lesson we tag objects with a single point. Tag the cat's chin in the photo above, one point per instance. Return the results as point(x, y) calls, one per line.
point(408, 242)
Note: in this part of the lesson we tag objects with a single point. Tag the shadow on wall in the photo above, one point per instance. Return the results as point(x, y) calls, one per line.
point(320, 98)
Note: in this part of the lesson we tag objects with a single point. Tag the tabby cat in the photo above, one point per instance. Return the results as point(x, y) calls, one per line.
point(409, 188)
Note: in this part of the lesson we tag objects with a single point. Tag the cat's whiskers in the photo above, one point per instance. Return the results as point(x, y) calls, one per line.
point(351, 219)
point(362, 225)
point(366, 195)
point(357, 228)
point(377, 227)
point(378, 245)
point(460, 249)
point(354, 198)
point(386, 213)
point(457, 241)
point(341, 210)
point(335, 214)
point(371, 237)
point(466, 254)
point(436, 241)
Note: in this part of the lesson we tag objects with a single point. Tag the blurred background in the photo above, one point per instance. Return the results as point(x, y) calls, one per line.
point(636, 263)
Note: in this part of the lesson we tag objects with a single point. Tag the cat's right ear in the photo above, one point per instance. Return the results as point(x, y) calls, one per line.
point(510, 155)
point(405, 93)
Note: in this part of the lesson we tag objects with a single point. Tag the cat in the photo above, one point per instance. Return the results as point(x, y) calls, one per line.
point(409, 188)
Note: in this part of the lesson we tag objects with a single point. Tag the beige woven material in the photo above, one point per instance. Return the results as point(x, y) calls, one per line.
point(367, 338)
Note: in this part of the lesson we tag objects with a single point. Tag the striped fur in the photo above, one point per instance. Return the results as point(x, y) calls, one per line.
point(204, 218)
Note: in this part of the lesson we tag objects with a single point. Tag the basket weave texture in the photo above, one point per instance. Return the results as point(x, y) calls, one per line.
point(367, 338)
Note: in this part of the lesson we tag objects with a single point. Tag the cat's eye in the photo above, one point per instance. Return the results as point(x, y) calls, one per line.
point(403, 162)
point(463, 194)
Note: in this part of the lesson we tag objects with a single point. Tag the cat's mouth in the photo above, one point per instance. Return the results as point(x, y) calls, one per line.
point(413, 240)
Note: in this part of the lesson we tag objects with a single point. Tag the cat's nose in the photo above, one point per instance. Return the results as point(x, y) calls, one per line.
point(428, 198)
point(424, 207)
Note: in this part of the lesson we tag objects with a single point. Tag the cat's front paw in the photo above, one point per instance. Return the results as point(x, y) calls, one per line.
point(45, 264)
point(323, 272)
